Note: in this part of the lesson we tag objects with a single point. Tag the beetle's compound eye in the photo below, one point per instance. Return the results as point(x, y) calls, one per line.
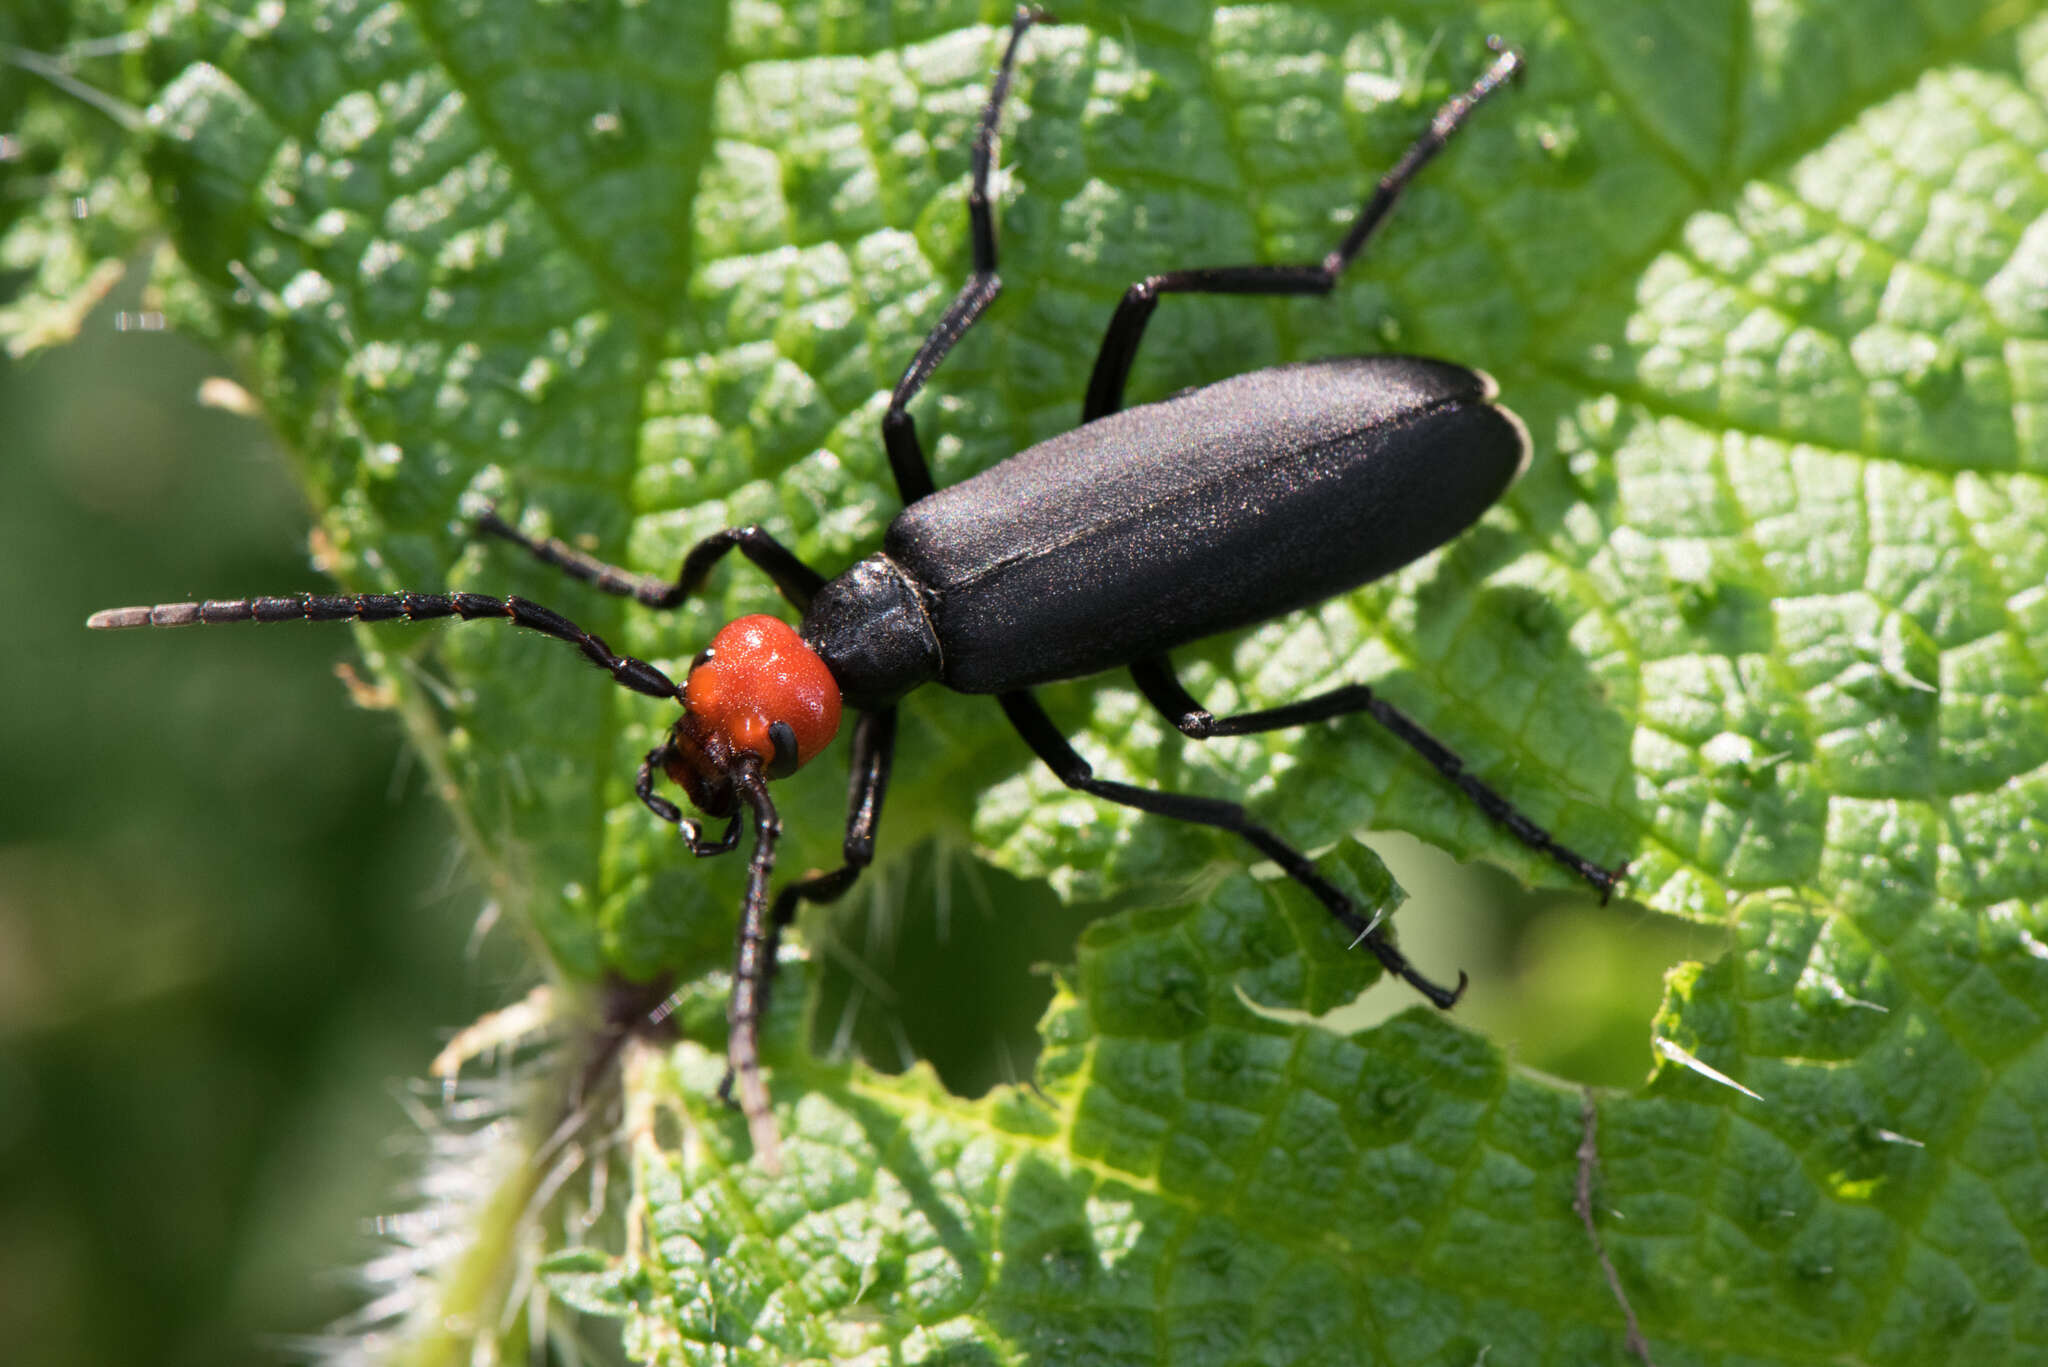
point(703, 658)
point(762, 690)
point(784, 740)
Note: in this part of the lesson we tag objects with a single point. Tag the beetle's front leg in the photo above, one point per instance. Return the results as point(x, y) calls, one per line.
point(796, 580)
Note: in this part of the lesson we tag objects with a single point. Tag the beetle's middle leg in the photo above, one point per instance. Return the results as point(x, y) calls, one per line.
point(1049, 745)
point(1162, 688)
point(1127, 324)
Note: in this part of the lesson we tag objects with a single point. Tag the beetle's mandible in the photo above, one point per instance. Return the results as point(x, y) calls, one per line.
point(1141, 530)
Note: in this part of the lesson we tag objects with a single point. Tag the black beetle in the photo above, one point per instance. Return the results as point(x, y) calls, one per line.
point(1141, 530)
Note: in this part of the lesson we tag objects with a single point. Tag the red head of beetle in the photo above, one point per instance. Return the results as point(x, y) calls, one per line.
point(758, 690)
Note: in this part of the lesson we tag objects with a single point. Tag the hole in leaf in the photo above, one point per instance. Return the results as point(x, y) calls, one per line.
point(1565, 985)
point(943, 959)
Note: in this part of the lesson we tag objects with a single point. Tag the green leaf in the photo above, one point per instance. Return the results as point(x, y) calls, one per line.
point(1766, 618)
point(72, 198)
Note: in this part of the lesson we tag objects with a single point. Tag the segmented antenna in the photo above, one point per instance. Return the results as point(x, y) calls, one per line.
point(752, 969)
point(637, 675)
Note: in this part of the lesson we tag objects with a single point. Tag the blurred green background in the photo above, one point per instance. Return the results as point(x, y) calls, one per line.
point(231, 919)
point(233, 923)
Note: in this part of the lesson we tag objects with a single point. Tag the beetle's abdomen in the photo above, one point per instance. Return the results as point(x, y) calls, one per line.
point(1217, 508)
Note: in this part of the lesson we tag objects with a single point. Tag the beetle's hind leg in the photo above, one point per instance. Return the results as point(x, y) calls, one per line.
point(1162, 688)
point(899, 430)
point(1049, 745)
point(1127, 325)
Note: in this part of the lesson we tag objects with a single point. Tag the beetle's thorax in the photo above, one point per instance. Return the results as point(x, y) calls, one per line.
point(873, 629)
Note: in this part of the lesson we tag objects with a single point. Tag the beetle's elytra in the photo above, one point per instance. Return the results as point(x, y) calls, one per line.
point(1106, 547)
